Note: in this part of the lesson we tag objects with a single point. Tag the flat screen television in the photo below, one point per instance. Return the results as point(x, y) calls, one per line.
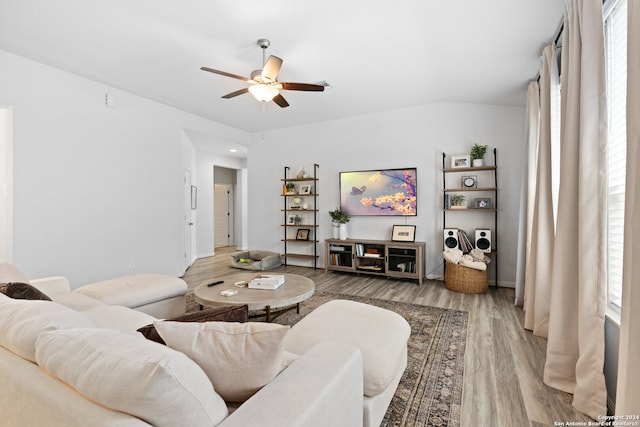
point(384, 192)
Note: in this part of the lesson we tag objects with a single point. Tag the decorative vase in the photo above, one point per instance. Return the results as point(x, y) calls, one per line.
point(342, 232)
point(478, 163)
point(336, 231)
point(300, 173)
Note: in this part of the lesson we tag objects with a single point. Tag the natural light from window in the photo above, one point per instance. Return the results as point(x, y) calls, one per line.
point(616, 63)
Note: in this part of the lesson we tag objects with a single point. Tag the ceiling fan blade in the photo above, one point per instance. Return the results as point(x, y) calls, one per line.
point(224, 73)
point(271, 68)
point(236, 93)
point(302, 86)
point(278, 99)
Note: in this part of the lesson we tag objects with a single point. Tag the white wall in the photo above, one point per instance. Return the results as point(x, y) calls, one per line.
point(413, 137)
point(96, 189)
point(189, 164)
point(6, 183)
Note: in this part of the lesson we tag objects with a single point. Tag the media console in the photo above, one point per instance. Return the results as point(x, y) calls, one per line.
point(376, 257)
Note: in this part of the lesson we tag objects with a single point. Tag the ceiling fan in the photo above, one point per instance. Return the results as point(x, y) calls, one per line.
point(264, 85)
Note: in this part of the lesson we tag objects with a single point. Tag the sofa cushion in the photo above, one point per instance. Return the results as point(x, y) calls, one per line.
point(380, 334)
point(231, 313)
point(21, 321)
point(76, 301)
point(19, 290)
point(238, 358)
point(10, 273)
point(135, 290)
point(117, 317)
point(150, 381)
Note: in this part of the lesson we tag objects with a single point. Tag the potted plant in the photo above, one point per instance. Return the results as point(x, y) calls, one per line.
point(458, 201)
point(290, 186)
point(339, 220)
point(477, 154)
point(297, 219)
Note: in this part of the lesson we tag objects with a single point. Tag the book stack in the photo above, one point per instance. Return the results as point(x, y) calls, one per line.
point(267, 281)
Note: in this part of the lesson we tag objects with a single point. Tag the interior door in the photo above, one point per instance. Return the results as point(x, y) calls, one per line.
point(224, 196)
point(187, 219)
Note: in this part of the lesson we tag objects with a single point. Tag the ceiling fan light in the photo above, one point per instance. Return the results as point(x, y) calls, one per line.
point(263, 93)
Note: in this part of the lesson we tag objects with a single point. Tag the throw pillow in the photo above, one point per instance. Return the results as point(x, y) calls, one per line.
point(238, 358)
point(18, 290)
point(21, 321)
point(232, 313)
point(10, 273)
point(132, 375)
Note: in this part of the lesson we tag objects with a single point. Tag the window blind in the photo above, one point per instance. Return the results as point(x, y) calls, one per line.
point(616, 63)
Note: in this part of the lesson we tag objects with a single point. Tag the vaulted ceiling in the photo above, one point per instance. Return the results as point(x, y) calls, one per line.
point(376, 55)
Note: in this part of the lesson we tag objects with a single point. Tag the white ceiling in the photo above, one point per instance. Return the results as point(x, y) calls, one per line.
point(377, 55)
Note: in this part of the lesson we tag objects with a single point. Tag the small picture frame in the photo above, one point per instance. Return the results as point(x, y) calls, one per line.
point(303, 234)
point(482, 203)
point(291, 219)
point(305, 189)
point(469, 181)
point(461, 161)
point(403, 233)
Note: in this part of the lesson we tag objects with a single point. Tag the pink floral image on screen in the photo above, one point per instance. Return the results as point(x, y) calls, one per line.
point(379, 192)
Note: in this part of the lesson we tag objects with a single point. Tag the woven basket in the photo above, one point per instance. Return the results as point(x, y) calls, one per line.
point(464, 279)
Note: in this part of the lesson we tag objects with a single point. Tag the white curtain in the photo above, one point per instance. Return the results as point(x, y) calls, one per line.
point(575, 346)
point(539, 246)
point(527, 187)
point(628, 392)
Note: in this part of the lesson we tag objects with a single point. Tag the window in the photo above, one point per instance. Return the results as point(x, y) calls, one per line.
point(615, 21)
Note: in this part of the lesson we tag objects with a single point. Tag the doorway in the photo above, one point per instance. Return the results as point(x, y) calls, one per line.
point(223, 229)
point(187, 217)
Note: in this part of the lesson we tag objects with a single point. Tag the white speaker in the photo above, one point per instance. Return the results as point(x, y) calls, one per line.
point(450, 238)
point(483, 239)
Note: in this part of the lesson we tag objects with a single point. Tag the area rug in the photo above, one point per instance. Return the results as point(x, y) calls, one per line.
point(430, 391)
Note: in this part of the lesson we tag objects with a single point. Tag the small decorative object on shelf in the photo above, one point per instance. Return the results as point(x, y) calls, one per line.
point(303, 234)
point(477, 154)
point(305, 189)
point(470, 181)
point(290, 188)
point(458, 201)
point(300, 173)
point(460, 161)
point(482, 203)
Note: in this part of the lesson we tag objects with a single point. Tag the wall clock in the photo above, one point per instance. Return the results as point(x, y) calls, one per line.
point(470, 181)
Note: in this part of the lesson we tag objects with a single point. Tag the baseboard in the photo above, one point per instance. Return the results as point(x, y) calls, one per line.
point(206, 255)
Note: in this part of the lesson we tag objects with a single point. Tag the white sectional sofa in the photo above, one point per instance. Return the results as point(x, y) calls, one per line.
point(76, 361)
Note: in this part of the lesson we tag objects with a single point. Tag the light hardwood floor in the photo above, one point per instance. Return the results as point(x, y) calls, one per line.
point(503, 362)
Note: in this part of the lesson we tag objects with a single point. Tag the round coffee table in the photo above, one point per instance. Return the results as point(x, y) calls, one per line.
point(288, 296)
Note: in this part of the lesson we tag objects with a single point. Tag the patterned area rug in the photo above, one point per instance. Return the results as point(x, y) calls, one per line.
point(430, 391)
